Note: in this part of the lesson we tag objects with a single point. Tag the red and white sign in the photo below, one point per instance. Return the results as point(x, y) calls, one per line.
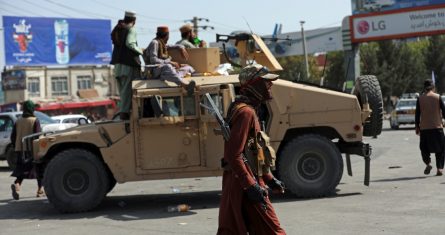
point(403, 23)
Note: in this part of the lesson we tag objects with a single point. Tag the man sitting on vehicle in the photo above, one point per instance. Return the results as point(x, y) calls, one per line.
point(189, 38)
point(166, 69)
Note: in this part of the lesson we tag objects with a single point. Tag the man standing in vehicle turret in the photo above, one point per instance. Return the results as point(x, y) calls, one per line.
point(125, 58)
point(245, 207)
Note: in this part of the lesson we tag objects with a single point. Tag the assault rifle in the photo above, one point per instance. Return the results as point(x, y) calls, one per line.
point(213, 109)
point(225, 129)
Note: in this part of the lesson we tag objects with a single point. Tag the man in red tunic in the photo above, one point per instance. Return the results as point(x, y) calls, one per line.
point(245, 207)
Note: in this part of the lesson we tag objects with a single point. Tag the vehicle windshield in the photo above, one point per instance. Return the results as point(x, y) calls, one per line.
point(405, 103)
point(43, 118)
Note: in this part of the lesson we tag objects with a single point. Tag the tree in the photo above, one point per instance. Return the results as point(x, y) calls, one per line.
point(398, 66)
point(335, 72)
point(435, 60)
point(294, 69)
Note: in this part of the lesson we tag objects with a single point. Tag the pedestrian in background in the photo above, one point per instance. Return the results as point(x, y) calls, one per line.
point(126, 61)
point(429, 113)
point(245, 207)
point(25, 169)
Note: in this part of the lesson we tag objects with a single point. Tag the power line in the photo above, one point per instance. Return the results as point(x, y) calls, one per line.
point(48, 9)
point(91, 14)
point(21, 10)
point(14, 12)
point(195, 21)
point(138, 14)
point(226, 26)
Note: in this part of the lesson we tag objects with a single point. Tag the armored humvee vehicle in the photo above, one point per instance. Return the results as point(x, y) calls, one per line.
point(169, 135)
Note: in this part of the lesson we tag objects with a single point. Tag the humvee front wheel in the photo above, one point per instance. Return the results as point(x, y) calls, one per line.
point(75, 180)
point(367, 87)
point(310, 166)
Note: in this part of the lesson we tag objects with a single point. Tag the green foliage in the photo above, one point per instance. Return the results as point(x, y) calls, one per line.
point(294, 69)
point(398, 65)
point(435, 60)
point(335, 71)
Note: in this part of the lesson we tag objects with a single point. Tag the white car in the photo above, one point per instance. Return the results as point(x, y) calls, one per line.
point(7, 121)
point(377, 4)
point(70, 118)
point(404, 113)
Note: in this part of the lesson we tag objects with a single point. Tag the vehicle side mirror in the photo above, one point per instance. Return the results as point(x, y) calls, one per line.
point(156, 104)
point(82, 121)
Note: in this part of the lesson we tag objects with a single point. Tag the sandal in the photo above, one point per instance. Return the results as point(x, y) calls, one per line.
point(15, 194)
point(191, 88)
point(40, 193)
point(439, 172)
point(427, 170)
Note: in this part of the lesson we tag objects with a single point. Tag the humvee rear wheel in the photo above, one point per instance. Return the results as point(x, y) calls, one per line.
point(310, 166)
point(75, 181)
point(367, 87)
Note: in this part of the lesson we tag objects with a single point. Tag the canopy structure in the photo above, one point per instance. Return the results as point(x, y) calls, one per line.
point(75, 105)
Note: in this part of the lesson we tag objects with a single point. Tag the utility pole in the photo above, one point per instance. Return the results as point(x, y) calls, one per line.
point(306, 63)
point(195, 22)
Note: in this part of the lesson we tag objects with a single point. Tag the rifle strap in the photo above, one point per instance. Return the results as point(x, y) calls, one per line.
point(234, 109)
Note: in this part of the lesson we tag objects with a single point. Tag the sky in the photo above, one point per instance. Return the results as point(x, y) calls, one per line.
point(225, 16)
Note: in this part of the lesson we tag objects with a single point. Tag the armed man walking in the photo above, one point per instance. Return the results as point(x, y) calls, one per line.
point(429, 113)
point(26, 169)
point(245, 207)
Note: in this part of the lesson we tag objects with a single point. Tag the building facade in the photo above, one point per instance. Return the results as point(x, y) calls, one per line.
point(42, 84)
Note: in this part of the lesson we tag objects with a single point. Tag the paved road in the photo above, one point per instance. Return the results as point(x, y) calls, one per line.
point(400, 200)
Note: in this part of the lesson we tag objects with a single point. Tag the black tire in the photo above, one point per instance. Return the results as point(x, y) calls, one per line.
point(310, 166)
point(75, 180)
point(112, 183)
point(11, 157)
point(367, 87)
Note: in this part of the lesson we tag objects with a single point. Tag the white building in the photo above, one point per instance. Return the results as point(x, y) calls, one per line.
point(42, 84)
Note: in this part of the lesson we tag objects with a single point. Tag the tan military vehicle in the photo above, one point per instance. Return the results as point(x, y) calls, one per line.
point(171, 136)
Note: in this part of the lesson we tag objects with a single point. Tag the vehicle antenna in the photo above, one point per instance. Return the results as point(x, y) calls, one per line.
point(251, 31)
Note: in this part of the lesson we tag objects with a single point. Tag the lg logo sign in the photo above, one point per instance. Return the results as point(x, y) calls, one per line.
point(364, 26)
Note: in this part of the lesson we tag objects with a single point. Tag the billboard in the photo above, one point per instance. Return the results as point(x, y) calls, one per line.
point(38, 41)
point(367, 6)
point(13, 80)
point(412, 22)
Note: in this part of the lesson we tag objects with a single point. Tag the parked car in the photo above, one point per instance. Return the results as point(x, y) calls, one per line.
point(404, 113)
point(70, 118)
point(7, 121)
point(378, 4)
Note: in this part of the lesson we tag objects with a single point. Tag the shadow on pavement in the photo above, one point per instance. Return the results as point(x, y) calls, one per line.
point(400, 179)
point(5, 169)
point(400, 128)
point(131, 207)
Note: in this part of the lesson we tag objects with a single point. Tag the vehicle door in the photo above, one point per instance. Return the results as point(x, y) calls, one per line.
point(212, 141)
point(166, 130)
point(6, 125)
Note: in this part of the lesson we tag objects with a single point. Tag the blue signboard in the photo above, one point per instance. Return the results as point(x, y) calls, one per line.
point(366, 6)
point(38, 41)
